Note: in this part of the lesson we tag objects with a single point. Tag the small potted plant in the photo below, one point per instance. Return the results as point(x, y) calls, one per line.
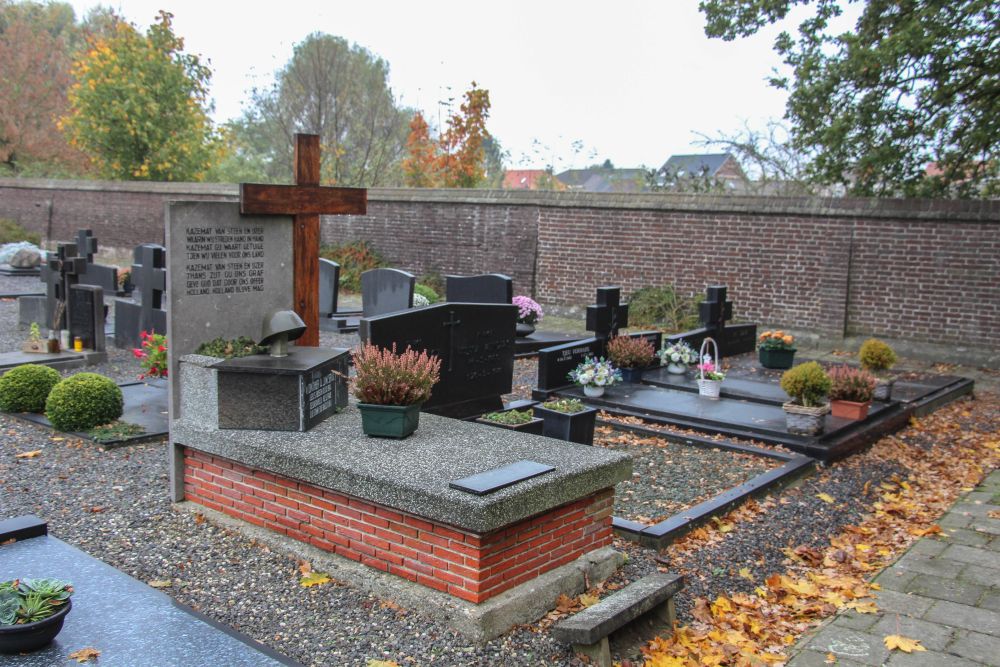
point(529, 313)
point(710, 373)
point(515, 420)
point(152, 355)
point(808, 385)
point(678, 356)
point(595, 375)
point(631, 355)
point(851, 392)
point(35, 344)
point(391, 387)
point(32, 612)
point(567, 419)
point(125, 285)
point(877, 358)
point(776, 349)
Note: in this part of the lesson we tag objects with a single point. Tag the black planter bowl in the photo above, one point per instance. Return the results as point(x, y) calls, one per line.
point(32, 636)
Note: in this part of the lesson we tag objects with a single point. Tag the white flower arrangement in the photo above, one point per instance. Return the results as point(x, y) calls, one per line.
point(420, 300)
point(594, 372)
point(678, 353)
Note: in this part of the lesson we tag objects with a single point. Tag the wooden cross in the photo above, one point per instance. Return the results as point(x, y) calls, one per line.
point(305, 200)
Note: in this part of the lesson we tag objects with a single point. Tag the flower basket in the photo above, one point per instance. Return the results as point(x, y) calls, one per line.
point(777, 359)
point(389, 421)
point(801, 420)
point(708, 386)
point(849, 409)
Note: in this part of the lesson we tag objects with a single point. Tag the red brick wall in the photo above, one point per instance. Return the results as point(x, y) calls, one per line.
point(917, 270)
point(474, 567)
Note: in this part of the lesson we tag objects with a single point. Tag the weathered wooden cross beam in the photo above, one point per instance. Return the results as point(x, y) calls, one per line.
point(305, 200)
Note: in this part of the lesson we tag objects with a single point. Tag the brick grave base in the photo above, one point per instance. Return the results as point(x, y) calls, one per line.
point(471, 566)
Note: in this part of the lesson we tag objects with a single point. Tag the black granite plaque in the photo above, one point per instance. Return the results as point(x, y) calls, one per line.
point(485, 288)
point(500, 478)
point(554, 363)
point(474, 341)
point(86, 316)
point(293, 393)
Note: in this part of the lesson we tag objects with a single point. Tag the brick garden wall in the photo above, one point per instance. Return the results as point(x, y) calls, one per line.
point(468, 565)
point(917, 270)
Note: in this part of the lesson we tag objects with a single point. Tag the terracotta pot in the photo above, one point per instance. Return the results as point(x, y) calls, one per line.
point(850, 409)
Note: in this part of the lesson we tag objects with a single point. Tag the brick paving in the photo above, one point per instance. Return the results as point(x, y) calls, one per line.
point(945, 591)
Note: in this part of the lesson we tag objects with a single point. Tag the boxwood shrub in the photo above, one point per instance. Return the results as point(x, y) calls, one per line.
point(25, 388)
point(83, 401)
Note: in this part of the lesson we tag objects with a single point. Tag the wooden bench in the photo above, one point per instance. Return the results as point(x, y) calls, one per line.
point(650, 597)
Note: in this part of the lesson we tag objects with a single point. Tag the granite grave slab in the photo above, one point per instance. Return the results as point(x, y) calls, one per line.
point(474, 341)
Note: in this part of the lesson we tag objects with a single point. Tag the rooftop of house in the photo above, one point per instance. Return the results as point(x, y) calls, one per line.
point(707, 163)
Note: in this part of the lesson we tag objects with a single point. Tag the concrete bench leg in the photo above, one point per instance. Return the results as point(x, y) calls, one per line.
point(599, 654)
point(666, 613)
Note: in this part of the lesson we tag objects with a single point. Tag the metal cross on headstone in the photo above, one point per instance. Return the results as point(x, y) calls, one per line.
point(608, 315)
point(86, 245)
point(451, 324)
point(305, 200)
point(715, 310)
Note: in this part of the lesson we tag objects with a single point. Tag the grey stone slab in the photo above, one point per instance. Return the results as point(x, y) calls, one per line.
point(978, 510)
point(928, 547)
point(860, 647)
point(927, 659)
point(978, 497)
point(976, 646)
point(984, 576)
point(811, 658)
point(926, 565)
point(954, 520)
point(895, 579)
point(386, 291)
point(856, 621)
point(620, 608)
point(991, 526)
point(933, 636)
point(953, 590)
point(991, 600)
point(964, 536)
point(225, 273)
point(895, 602)
point(410, 474)
point(964, 616)
point(58, 360)
point(154, 630)
point(974, 555)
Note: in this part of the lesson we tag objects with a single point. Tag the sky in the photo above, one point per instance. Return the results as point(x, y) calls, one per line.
point(633, 81)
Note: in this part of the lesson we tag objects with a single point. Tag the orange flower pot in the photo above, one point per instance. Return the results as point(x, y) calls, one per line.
point(850, 410)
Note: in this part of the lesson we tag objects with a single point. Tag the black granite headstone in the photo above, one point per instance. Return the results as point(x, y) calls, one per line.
point(555, 363)
point(485, 288)
point(86, 316)
point(293, 393)
point(149, 274)
point(474, 341)
point(715, 311)
point(105, 277)
point(386, 291)
point(60, 272)
point(329, 286)
point(608, 315)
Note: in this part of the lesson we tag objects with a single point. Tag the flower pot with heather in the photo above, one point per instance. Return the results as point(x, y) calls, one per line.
point(631, 356)
point(851, 392)
point(391, 387)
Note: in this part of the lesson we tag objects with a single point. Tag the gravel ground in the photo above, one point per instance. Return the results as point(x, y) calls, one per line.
point(113, 504)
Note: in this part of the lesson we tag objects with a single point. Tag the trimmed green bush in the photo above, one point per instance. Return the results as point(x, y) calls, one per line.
point(876, 356)
point(807, 383)
point(426, 292)
point(83, 401)
point(25, 388)
point(11, 232)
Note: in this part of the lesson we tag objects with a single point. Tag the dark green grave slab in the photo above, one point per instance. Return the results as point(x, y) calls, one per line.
point(738, 388)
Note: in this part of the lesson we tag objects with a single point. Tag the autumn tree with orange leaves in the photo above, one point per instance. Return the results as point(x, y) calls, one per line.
point(458, 158)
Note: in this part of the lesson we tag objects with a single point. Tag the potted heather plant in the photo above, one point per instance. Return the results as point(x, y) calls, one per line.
point(567, 419)
point(595, 375)
point(808, 386)
point(515, 420)
point(678, 356)
point(877, 358)
point(631, 355)
point(391, 387)
point(851, 392)
point(529, 313)
point(776, 349)
point(32, 612)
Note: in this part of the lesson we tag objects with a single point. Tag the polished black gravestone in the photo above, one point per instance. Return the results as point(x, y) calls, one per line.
point(330, 317)
point(475, 343)
point(86, 316)
point(114, 613)
point(60, 271)
point(99, 275)
point(293, 393)
point(489, 481)
point(149, 275)
point(484, 288)
point(715, 311)
point(555, 363)
point(608, 315)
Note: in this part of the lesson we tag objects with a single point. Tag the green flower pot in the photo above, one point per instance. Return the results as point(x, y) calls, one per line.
point(389, 421)
point(780, 359)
